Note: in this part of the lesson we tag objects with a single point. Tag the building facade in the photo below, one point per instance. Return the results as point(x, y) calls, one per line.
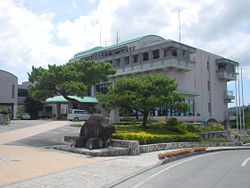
point(201, 76)
point(8, 93)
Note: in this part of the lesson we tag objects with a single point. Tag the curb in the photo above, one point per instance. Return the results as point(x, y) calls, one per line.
point(164, 161)
point(121, 180)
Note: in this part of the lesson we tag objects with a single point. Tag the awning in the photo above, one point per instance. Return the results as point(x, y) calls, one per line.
point(186, 92)
point(61, 99)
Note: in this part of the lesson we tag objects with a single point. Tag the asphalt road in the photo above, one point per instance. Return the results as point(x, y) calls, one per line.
point(213, 170)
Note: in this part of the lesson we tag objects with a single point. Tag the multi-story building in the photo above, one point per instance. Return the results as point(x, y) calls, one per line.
point(201, 76)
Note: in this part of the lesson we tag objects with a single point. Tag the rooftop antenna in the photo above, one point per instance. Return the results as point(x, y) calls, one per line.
point(179, 20)
point(117, 36)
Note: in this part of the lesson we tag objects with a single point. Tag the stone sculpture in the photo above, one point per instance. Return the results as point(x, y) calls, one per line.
point(95, 133)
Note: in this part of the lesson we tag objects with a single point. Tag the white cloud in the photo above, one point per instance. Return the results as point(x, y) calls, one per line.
point(27, 38)
point(24, 36)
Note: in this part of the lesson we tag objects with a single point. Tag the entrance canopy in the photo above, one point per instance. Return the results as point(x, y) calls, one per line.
point(61, 99)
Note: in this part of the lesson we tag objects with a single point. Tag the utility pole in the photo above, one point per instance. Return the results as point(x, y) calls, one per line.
point(239, 97)
point(236, 104)
point(243, 110)
point(117, 36)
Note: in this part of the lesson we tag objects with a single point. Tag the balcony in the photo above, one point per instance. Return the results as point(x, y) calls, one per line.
point(226, 69)
point(225, 75)
point(228, 96)
point(165, 63)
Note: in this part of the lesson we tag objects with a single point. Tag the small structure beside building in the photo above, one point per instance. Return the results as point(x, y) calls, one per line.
point(57, 107)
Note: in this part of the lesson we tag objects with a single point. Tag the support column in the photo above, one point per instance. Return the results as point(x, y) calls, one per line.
point(114, 115)
point(92, 93)
point(14, 112)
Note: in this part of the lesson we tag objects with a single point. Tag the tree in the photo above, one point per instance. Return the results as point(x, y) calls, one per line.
point(144, 94)
point(33, 107)
point(68, 79)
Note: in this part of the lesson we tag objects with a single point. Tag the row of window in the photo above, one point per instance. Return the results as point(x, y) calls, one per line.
point(145, 56)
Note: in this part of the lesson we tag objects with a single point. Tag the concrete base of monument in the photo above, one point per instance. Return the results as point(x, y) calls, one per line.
point(109, 151)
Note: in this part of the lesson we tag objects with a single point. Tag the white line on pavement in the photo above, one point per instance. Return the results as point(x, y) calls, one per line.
point(165, 169)
point(245, 162)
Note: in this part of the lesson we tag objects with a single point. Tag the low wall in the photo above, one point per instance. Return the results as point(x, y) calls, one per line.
point(177, 145)
point(134, 148)
point(4, 119)
point(132, 145)
point(215, 134)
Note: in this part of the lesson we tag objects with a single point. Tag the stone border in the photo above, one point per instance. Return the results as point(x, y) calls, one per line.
point(134, 148)
point(104, 152)
point(177, 145)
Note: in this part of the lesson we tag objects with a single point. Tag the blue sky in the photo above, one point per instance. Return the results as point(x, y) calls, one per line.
point(42, 32)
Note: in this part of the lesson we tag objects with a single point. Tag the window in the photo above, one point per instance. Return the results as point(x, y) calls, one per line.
point(191, 107)
point(184, 53)
point(13, 91)
point(22, 92)
point(222, 67)
point(126, 60)
point(174, 52)
point(119, 51)
point(145, 56)
point(135, 58)
point(102, 88)
point(118, 62)
point(89, 91)
point(156, 54)
point(209, 107)
point(208, 65)
point(208, 85)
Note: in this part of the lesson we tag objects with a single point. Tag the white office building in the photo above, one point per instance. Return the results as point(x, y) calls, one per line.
point(201, 76)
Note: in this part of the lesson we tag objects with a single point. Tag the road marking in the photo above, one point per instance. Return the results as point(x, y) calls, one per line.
point(245, 162)
point(168, 168)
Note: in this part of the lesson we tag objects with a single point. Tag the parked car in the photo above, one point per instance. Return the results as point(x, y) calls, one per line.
point(78, 115)
point(26, 116)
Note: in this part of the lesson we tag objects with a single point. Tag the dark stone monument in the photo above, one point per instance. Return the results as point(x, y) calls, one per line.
point(95, 133)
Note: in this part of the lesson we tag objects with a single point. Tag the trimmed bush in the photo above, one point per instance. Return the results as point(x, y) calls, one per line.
point(149, 138)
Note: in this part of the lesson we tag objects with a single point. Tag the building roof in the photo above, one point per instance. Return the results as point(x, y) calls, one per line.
point(61, 99)
point(99, 48)
point(9, 73)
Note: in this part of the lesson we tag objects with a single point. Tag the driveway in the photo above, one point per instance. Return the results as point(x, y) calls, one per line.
point(22, 161)
point(19, 124)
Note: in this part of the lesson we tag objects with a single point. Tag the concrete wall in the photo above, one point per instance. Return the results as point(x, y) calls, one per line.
point(8, 91)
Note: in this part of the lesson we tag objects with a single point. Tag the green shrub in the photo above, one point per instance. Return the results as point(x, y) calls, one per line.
point(247, 140)
point(193, 128)
point(148, 138)
point(212, 127)
point(172, 122)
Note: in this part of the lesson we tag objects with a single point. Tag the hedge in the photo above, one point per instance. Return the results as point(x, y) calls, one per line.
point(148, 138)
